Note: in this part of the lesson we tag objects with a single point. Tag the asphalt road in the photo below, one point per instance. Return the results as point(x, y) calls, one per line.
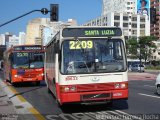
point(142, 100)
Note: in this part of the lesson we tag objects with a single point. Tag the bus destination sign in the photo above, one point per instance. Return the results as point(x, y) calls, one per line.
point(91, 32)
point(18, 48)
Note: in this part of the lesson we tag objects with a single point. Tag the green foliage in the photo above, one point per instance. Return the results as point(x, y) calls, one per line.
point(153, 67)
point(144, 44)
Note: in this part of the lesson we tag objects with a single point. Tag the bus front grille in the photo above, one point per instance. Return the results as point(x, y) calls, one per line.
point(29, 76)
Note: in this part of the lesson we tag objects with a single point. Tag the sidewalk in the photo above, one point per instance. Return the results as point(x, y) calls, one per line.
point(12, 108)
point(142, 75)
point(6, 106)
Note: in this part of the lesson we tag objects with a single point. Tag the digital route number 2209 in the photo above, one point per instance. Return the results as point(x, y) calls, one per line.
point(80, 44)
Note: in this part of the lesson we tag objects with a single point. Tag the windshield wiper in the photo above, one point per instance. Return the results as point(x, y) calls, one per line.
point(79, 42)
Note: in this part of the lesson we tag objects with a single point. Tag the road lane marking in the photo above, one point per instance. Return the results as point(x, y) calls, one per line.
point(36, 114)
point(149, 86)
point(149, 95)
point(131, 116)
point(17, 94)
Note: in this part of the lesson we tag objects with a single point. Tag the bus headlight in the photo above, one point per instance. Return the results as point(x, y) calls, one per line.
point(17, 76)
point(73, 88)
point(123, 85)
point(68, 88)
point(117, 85)
point(120, 85)
point(41, 74)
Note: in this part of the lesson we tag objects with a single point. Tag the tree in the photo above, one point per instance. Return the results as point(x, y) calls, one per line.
point(132, 47)
point(142, 47)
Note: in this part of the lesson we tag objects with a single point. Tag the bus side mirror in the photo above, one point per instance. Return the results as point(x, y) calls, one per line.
point(56, 47)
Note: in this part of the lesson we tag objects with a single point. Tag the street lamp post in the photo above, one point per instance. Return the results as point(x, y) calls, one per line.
point(140, 57)
point(43, 11)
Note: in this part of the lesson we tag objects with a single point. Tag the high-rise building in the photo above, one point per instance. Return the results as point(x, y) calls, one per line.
point(132, 26)
point(36, 30)
point(118, 6)
point(32, 31)
point(2, 39)
point(7, 36)
point(13, 40)
point(9, 39)
point(22, 38)
point(155, 28)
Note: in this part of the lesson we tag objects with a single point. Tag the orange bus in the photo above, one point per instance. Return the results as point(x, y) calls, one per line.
point(24, 63)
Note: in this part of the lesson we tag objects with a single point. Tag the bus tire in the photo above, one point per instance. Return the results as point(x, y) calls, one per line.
point(110, 103)
point(49, 91)
point(37, 83)
point(60, 105)
point(14, 84)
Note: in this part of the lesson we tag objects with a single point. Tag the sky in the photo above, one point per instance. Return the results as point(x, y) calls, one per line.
point(81, 10)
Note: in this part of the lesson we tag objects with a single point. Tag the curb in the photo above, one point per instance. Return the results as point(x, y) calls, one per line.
point(22, 107)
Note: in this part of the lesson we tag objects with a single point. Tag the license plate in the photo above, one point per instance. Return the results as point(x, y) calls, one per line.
point(96, 96)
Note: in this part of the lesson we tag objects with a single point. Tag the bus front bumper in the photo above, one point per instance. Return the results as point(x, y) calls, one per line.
point(93, 96)
point(22, 79)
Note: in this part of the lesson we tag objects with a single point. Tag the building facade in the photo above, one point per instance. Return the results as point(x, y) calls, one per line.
point(41, 30)
point(13, 40)
point(9, 39)
point(133, 25)
point(156, 53)
point(118, 6)
point(2, 39)
point(155, 28)
point(22, 36)
point(32, 32)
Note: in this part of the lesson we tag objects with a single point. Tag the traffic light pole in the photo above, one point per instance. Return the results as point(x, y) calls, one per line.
point(43, 11)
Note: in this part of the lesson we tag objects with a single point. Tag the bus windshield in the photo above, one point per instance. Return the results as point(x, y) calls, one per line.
point(28, 60)
point(96, 55)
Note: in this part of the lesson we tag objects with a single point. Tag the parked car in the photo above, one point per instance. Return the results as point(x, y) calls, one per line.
point(137, 67)
point(158, 84)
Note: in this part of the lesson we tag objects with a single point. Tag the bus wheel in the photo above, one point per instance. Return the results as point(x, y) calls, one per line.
point(110, 103)
point(14, 84)
point(38, 83)
point(60, 105)
point(49, 91)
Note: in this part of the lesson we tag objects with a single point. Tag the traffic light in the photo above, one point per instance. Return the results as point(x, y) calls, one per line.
point(54, 12)
point(153, 15)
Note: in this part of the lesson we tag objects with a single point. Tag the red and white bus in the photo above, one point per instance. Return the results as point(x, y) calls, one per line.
point(87, 65)
point(24, 63)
